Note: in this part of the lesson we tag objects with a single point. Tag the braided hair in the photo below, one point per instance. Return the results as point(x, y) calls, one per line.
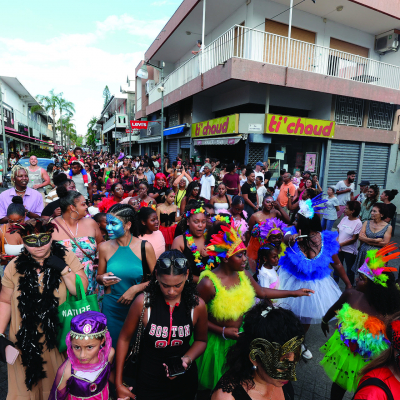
point(127, 214)
point(15, 170)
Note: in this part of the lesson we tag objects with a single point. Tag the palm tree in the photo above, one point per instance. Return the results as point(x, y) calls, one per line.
point(68, 107)
point(65, 123)
point(49, 103)
point(91, 133)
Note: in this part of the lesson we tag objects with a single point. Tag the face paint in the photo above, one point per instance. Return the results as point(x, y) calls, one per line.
point(271, 354)
point(37, 240)
point(114, 227)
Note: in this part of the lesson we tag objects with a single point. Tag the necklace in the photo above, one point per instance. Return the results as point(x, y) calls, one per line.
point(76, 233)
point(20, 191)
point(196, 254)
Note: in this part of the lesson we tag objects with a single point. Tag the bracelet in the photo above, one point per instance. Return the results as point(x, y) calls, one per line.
point(3, 335)
point(223, 333)
point(322, 320)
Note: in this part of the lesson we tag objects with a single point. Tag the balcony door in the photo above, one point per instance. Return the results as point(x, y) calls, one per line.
point(348, 61)
point(275, 47)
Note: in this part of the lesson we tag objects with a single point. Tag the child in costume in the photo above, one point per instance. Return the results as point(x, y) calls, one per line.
point(229, 291)
point(270, 231)
point(360, 334)
point(85, 373)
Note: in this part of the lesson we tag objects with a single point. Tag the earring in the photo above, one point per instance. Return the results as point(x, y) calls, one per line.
point(75, 219)
point(156, 282)
point(254, 367)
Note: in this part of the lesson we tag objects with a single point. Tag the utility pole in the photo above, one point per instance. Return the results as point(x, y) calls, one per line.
point(162, 115)
point(115, 131)
point(5, 152)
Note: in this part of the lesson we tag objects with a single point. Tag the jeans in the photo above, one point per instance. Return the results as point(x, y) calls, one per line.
point(350, 259)
point(327, 224)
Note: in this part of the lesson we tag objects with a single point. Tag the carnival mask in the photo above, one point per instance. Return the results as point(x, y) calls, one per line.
point(37, 240)
point(114, 227)
point(270, 355)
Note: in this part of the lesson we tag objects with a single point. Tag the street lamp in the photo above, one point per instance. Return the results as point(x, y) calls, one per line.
point(143, 72)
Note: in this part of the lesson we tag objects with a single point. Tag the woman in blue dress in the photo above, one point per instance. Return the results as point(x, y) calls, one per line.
point(120, 266)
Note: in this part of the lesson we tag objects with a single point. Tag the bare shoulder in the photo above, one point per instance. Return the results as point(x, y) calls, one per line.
point(221, 395)
point(178, 244)
point(111, 355)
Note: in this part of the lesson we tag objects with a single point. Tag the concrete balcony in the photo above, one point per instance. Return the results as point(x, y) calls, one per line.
point(121, 122)
point(125, 139)
point(269, 51)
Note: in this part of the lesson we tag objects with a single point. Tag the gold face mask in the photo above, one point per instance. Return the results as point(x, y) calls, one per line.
point(271, 354)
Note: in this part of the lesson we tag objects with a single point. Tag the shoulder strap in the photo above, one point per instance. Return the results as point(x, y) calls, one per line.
point(145, 266)
point(71, 237)
point(375, 382)
point(3, 239)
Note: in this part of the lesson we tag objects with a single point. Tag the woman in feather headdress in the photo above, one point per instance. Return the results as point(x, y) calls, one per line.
point(360, 334)
point(229, 291)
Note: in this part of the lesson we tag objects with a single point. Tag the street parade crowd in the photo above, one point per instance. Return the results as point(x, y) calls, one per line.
point(127, 278)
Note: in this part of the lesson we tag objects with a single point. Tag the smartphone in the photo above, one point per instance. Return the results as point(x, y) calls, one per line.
point(175, 366)
point(179, 163)
point(111, 278)
point(11, 354)
point(5, 256)
point(301, 236)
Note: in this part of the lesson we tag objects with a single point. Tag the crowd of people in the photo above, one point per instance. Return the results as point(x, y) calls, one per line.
point(205, 280)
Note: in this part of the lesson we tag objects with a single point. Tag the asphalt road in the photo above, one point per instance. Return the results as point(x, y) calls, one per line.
point(312, 383)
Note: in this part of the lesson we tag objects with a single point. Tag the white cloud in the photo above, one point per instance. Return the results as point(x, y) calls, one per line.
point(75, 65)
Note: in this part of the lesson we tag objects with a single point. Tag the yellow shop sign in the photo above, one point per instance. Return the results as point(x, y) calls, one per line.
point(283, 125)
point(216, 127)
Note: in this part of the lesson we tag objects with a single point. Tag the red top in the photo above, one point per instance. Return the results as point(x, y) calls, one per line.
point(375, 393)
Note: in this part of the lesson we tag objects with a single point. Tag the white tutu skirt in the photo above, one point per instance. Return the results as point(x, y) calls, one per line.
point(310, 309)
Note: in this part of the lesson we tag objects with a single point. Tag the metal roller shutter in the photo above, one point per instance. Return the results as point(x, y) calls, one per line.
point(172, 149)
point(343, 157)
point(185, 143)
point(375, 164)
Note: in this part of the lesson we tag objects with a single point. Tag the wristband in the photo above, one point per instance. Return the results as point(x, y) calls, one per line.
point(322, 320)
point(223, 333)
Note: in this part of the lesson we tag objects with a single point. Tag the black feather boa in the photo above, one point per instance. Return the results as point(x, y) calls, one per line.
point(38, 310)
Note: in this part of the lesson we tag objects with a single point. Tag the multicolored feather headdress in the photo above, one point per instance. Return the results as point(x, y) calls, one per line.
point(226, 243)
point(149, 204)
point(310, 207)
point(375, 264)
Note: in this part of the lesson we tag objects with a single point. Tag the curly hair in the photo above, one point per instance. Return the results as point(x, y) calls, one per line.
point(278, 326)
point(189, 295)
point(385, 300)
point(14, 172)
point(370, 202)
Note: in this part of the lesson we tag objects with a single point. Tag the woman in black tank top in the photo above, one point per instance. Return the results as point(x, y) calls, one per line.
point(173, 313)
point(253, 365)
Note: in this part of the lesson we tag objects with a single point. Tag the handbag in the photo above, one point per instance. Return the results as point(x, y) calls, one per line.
point(131, 362)
point(146, 270)
point(74, 305)
point(73, 239)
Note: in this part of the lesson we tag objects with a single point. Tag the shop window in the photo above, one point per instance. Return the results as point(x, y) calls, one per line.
point(380, 115)
point(349, 111)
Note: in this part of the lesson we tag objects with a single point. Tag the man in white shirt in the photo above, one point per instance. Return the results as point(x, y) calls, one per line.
point(206, 161)
point(257, 171)
point(207, 183)
point(345, 190)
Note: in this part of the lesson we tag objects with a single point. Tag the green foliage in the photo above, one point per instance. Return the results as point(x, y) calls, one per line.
point(91, 133)
point(40, 153)
point(106, 95)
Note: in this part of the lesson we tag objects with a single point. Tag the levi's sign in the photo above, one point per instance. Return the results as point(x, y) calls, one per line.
point(139, 124)
point(283, 125)
point(216, 127)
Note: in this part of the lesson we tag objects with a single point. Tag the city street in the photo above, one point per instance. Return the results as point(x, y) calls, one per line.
point(312, 383)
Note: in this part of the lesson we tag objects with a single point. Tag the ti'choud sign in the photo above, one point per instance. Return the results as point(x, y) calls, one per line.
point(215, 127)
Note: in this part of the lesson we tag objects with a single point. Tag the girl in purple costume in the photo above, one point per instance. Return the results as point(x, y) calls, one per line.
point(85, 373)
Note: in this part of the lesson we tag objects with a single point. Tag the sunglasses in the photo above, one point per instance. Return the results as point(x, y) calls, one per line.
point(166, 263)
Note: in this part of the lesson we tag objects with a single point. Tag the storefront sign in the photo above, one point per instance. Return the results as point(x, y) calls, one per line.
point(283, 125)
point(219, 141)
point(255, 128)
point(139, 124)
point(214, 127)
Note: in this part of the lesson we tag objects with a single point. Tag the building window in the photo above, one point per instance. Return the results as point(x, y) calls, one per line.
point(380, 115)
point(349, 111)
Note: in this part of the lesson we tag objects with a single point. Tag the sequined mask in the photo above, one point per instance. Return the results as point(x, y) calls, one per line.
point(37, 240)
point(270, 355)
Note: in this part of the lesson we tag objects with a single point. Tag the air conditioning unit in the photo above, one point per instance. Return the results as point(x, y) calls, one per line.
point(387, 42)
point(150, 84)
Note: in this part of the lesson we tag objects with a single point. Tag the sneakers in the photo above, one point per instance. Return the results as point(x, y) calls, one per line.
point(305, 352)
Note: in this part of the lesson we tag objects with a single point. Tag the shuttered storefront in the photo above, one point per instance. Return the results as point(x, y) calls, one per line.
point(343, 157)
point(375, 164)
point(172, 149)
point(185, 143)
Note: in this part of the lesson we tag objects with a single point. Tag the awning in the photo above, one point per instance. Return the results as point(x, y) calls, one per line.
point(10, 132)
point(151, 139)
point(174, 130)
point(217, 141)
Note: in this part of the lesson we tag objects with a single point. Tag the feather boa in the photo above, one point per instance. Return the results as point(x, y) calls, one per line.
point(38, 311)
point(106, 204)
point(361, 333)
point(317, 268)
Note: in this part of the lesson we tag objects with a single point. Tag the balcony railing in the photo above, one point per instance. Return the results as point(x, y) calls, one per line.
point(122, 122)
point(256, 45)
point(37, 128)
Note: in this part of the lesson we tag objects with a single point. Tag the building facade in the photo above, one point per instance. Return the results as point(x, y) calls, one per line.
point(327, 100)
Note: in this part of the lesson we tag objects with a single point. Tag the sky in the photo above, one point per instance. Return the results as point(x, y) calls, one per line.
point(78, 47)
